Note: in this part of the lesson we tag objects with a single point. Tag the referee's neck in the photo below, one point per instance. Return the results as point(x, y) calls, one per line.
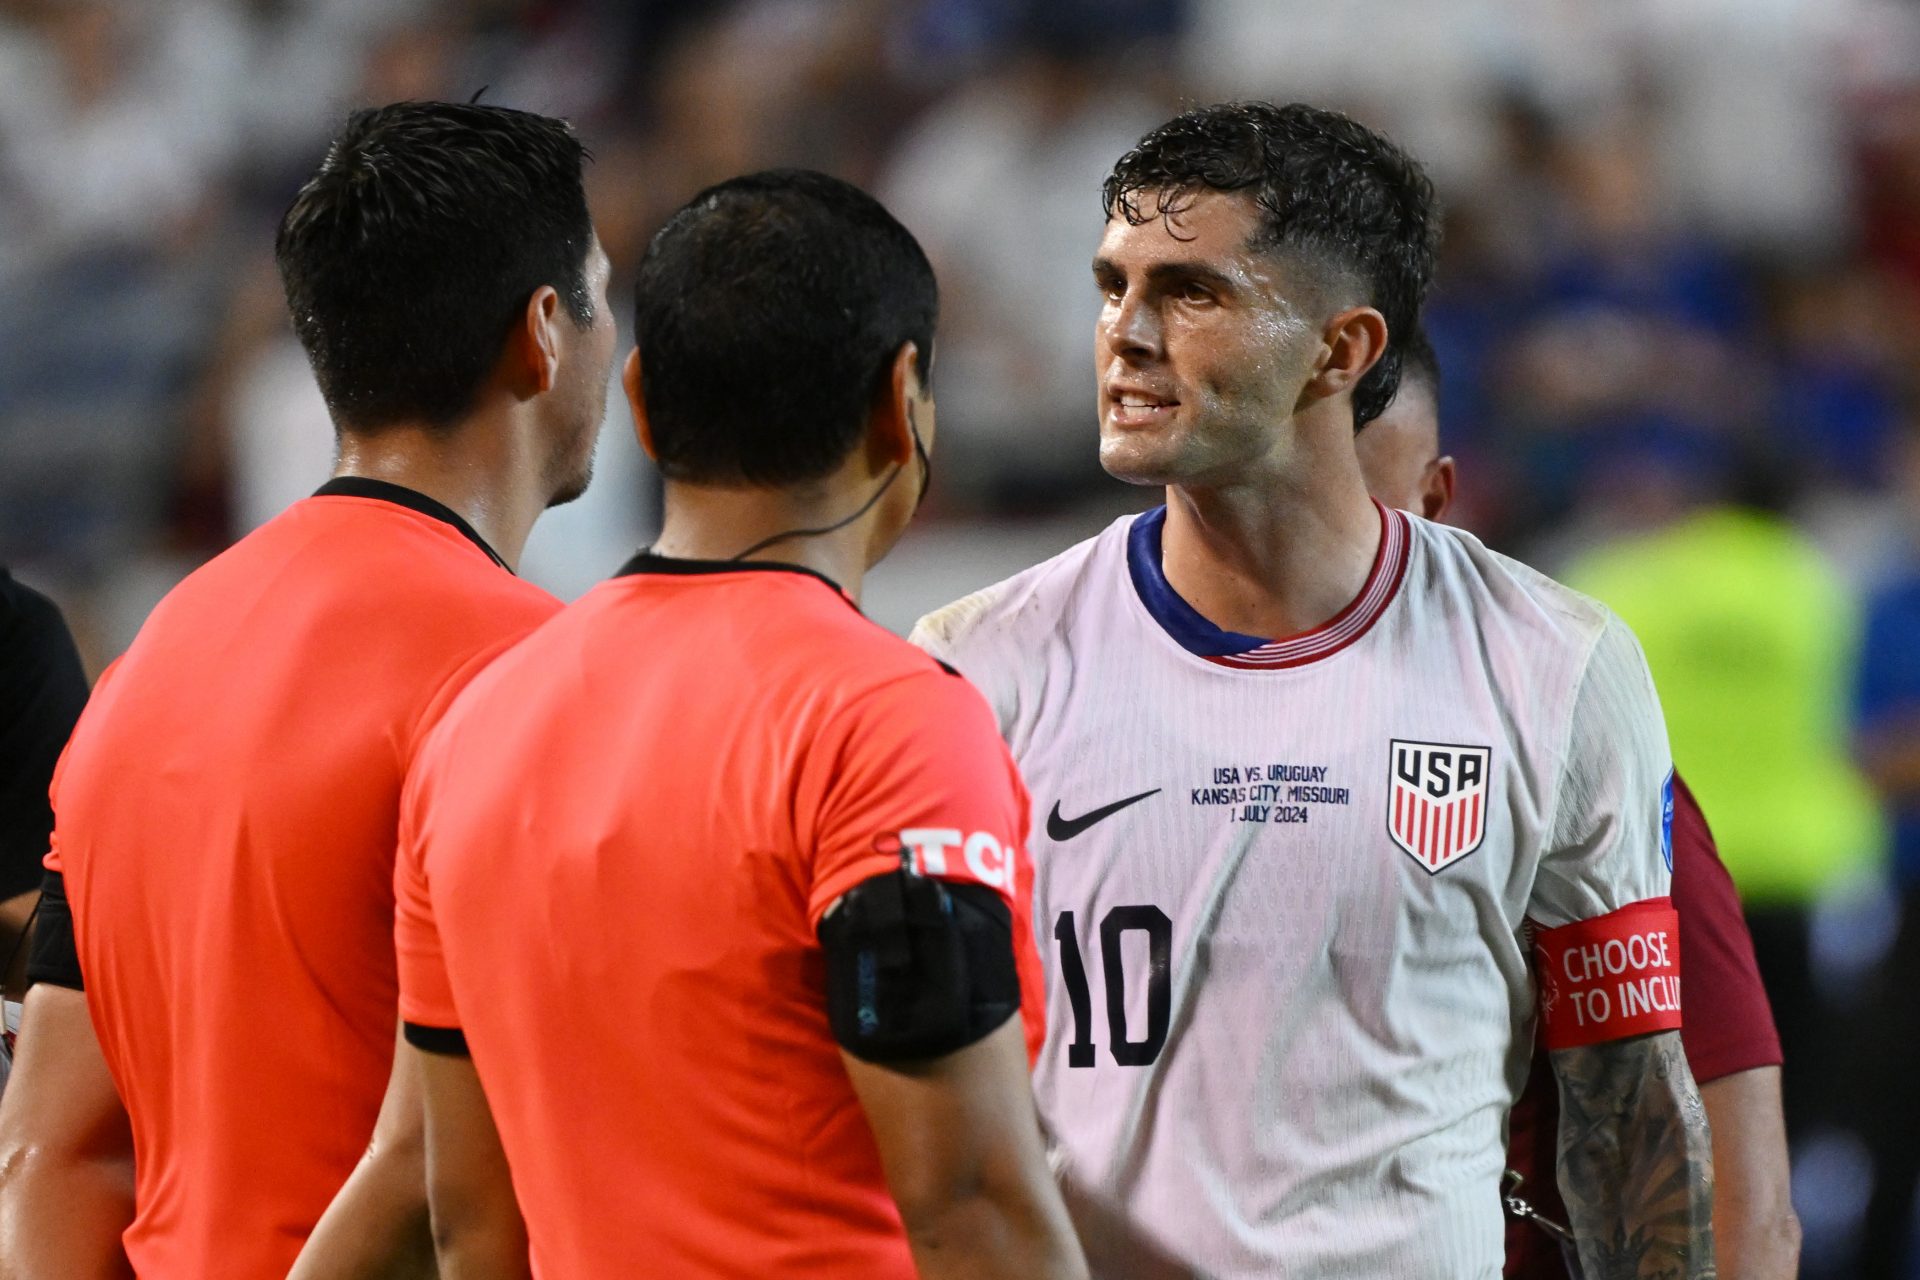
point(488, 478)
point(785, 525)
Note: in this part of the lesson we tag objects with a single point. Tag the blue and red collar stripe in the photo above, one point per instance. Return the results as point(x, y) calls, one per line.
point(1252, 653)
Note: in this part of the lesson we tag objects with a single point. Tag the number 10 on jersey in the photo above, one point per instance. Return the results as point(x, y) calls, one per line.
point(1114, 926)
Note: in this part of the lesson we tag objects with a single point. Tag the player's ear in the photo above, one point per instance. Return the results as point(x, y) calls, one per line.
point(1353, 343)
point(1436, 493)
point(890, 422)
point(536, 344)
point(636, 404)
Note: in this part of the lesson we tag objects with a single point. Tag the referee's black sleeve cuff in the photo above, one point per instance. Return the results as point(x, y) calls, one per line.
point(451, 1041)
point(51, 956)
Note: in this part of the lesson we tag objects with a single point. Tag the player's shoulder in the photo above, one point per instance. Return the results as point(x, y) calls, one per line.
point(414, 565)
point(1018, 613)
point(865, 659)
point(799, 643)
point(496, 603)
point(372, 578)
point(1536, 608)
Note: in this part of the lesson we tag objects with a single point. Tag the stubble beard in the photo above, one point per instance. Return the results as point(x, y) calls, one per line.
point(570, 469)
point(573, 486)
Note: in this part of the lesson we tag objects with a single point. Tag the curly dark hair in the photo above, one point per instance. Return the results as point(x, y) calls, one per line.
point(1329, 189)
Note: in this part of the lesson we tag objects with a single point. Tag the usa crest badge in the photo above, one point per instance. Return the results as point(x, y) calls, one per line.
point(1437, 805)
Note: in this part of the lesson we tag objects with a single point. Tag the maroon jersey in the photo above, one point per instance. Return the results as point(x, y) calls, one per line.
point(1729, 1028)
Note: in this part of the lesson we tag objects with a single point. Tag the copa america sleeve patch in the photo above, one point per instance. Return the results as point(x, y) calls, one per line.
point(1614, 976)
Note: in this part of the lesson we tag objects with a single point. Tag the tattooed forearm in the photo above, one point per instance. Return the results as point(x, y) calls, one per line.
point(1636, 1160)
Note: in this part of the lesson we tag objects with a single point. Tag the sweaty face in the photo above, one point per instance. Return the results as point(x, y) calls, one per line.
point(586, 365)
point(1202, 349)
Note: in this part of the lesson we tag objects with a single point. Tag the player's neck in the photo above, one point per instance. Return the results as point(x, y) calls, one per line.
point(712, 522)
point(1274, 558)
point(487, 477)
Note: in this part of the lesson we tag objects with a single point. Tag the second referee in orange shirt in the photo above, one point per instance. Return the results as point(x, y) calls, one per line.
point(713, 905)
point(204, 1057)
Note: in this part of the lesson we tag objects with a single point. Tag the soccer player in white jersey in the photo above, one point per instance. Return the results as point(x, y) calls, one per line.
point(1316, 776)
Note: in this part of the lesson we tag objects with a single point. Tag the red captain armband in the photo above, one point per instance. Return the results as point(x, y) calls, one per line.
point(1614, 976)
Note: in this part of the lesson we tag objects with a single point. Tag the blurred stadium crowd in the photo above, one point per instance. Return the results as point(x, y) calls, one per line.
point(1678, 317)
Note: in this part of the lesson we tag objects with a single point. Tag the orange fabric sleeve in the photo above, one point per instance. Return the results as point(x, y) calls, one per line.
point(917, 769)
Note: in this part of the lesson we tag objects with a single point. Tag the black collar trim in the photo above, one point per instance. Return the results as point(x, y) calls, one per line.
point(412, 500)
point(649, 561)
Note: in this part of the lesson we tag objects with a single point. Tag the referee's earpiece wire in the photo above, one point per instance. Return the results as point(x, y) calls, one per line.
point(926, 463)
point(926, 478)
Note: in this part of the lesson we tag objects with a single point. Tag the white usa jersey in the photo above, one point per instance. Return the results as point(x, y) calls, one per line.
point(1283, 890)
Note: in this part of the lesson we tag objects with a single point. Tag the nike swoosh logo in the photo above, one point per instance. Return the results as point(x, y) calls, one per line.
point(1059, 828)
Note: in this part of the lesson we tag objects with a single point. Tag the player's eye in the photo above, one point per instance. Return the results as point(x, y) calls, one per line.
point(1195, 292)
point(1111, 288)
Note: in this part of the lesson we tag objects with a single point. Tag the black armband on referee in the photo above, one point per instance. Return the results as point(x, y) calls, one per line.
point(448, 1041)
point(918, 967)
point(51, 955)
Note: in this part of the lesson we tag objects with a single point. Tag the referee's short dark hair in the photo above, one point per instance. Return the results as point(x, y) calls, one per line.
point(768, 313)
point(411, 252)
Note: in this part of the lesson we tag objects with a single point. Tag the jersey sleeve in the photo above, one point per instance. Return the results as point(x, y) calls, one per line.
point(933, 634)
point(430, 1020)
point(426, 996)
point(42, 692)
point(915, 772)
point(450, 687)
point(1605, 937)
point(954, 638)
point(1730, 1024)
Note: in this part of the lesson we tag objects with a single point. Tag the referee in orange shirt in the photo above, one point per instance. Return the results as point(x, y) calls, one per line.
point(222, 868)
point(720, 885)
